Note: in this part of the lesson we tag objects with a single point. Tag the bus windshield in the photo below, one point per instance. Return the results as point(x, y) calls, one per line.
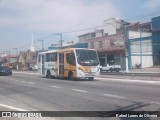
point(87, 57)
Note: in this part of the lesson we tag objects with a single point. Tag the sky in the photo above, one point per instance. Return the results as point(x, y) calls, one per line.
point(19, 19)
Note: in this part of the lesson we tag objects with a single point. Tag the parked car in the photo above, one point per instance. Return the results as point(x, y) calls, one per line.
point(110, 68)
point(33, 68)
point(5, 70)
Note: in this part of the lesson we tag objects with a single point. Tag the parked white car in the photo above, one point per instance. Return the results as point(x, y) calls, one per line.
point(33, 68)
point(110, 68)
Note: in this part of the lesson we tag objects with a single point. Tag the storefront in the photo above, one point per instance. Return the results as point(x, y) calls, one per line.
point(111, 49)
point(114, 57)
point(156, 40)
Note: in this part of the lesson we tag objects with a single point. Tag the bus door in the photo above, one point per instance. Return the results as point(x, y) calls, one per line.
point(67, 66)
point(61, 64)
point(43, 59)
point(70, 63)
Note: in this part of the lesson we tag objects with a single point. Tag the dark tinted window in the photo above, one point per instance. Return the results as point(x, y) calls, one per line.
point(48, 57)
point(87, 57)
point(51, 57)
point(71, 58)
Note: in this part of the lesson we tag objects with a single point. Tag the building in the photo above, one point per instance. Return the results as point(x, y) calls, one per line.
point(109, 41)
point(27, 58)
point(109, 48)
point(113, 26)
point(139, 49)
point(145, 44)
point(156, 40)
point(21, 64)
point(85, 37)
point(9, 60)
point(112, 43)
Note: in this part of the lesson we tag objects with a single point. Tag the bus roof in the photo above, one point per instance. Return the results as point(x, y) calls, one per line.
point(65, 49)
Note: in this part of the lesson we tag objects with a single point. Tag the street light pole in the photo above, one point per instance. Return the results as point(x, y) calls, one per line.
point(126, 47)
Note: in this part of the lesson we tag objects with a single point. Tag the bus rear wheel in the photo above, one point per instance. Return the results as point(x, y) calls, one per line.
point(90, 78)
point(48, 74)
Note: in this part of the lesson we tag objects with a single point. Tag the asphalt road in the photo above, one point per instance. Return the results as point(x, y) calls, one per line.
point(135, 74)
point(29, 92)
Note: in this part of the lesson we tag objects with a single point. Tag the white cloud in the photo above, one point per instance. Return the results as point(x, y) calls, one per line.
point(153, 4)
point(56, 15)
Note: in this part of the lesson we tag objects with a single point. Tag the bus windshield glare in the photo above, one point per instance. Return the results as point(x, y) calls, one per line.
point(87, 57)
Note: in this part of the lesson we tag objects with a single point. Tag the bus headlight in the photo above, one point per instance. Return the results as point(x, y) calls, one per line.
point(80, 69)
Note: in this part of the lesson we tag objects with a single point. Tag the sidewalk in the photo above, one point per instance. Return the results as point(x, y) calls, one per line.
point(147, 74)
point(26, 72)
point(131, 78)
point(155, 69)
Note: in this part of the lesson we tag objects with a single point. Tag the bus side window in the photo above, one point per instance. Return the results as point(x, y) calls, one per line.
point(54, 57)
point(51, 57)
point(71, 58)
point(48, 57)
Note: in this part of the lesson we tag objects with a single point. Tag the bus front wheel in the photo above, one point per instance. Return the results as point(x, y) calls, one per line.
point(70, 76)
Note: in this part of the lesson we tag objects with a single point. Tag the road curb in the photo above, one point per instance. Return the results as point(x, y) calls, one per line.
point(129, 80)
point(26, 73)
point(133, 74)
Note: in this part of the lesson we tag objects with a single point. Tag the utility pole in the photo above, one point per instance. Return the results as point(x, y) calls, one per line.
point(126, 47)
point(61, 41)
point(42, 44)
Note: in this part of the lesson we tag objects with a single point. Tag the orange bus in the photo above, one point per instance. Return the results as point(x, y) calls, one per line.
point(69, 63)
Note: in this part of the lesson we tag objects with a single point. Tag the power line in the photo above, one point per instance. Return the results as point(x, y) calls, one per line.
point(98, 26)
point(126, 19)
point(83, 29)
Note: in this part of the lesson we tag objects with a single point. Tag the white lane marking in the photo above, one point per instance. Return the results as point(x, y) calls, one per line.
point(92, 83)
point(115, 96)
point(56, 87)
point(158, 103)
point(129, 80)
point(26, 73)
point(77, 90)
point(23, 81)
point(30, 82)
point(11, 107)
